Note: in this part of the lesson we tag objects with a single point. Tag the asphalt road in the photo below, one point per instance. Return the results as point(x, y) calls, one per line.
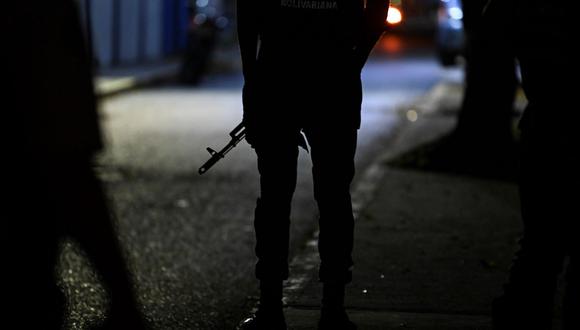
point(189, 238)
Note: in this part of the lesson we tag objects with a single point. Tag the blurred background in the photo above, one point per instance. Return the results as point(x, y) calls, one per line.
point(168, 77)
point(199, 36)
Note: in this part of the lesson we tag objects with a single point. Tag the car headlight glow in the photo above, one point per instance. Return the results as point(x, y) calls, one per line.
point(394, 16)
point(455, 13)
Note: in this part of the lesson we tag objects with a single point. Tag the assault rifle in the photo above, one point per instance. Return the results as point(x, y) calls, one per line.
point(237, 135)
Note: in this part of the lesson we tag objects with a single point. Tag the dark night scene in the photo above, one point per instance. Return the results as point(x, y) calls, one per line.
point(291, 165)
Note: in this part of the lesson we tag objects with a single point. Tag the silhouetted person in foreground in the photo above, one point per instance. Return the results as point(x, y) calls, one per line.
point(485, 119)
point(58, 194)
point(302, 62)
point(542, 39)
point(482, 143)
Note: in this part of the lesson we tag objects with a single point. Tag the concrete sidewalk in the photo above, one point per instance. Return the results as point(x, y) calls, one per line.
point(108, 82)
point(113, 81)
point(431, 249)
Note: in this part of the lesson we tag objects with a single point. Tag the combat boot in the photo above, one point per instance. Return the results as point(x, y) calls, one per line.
point(270, 315)
point(333, 315)
point(265, 319)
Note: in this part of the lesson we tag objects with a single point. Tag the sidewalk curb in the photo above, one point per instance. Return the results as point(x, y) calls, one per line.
point(109, 85)
point(112, 82)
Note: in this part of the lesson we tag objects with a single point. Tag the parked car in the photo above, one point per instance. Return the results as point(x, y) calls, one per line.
point(450, 36)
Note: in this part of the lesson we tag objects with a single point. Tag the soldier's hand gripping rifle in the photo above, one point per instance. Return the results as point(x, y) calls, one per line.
point(237, 135)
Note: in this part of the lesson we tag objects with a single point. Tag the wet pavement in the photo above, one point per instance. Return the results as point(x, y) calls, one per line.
point(189, 238)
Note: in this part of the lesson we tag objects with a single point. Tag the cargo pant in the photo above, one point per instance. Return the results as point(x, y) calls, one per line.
point(332, 156)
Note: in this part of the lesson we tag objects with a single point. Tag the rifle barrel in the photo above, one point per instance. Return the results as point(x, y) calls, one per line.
point(211, 162)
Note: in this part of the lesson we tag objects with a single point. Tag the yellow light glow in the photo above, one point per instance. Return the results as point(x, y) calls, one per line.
point(412, 115)
point(394, 16)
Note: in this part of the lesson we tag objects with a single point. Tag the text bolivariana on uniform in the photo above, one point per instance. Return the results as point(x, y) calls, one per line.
point(309, 4)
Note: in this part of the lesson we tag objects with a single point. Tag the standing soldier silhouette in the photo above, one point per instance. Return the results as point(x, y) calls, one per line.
point(302, 61)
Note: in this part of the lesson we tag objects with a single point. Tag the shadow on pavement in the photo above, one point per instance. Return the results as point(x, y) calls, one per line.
point(450, 154)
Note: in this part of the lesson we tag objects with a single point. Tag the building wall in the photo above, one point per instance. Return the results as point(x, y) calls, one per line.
point(153, 30)
point(128, 32)
point(102, 30)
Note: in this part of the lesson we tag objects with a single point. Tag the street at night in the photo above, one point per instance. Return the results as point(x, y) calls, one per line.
point(212, 165)
point(191, 237)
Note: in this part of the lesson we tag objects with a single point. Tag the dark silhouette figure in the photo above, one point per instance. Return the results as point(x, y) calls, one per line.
point(483, 142)
point(542, 39)
point(58, 193)
point(486, 113)
point(302, 62)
